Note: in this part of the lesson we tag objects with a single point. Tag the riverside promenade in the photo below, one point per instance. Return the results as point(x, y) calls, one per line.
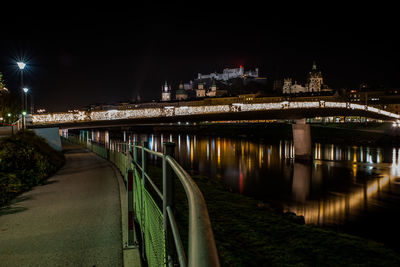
point(72, 220)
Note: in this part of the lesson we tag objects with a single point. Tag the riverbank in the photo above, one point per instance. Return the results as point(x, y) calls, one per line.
point(26, 160)
point(251, 233)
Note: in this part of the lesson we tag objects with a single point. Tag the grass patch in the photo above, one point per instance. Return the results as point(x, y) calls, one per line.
point(249, 233)
point(26, 160)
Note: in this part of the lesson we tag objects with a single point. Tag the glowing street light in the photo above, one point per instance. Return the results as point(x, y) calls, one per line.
point(25, 90)
point(21, 65)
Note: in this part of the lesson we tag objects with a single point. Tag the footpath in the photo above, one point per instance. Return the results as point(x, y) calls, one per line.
point(73, 220)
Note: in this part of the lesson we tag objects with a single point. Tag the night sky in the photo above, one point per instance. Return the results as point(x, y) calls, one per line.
point(102, 54)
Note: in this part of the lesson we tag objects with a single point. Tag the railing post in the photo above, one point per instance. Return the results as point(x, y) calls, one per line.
point(144, 162)
point(131, 229)
point(145, 144)
point(135, 155)
point(168, 197)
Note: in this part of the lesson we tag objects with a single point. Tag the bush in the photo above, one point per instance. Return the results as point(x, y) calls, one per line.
point(25, 161)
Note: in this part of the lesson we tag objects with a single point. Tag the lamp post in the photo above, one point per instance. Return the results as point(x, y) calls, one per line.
point(21, 66)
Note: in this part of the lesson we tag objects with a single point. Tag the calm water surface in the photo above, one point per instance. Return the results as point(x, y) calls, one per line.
point(352, 188)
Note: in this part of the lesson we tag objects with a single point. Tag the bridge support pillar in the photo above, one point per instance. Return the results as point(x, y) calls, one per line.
point(302, 140)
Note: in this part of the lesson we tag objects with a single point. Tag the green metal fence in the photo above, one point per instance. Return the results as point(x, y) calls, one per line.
point(161, 242)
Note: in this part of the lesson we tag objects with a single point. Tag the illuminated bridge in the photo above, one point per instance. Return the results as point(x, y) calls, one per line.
point(233, 111)
point(298, 111)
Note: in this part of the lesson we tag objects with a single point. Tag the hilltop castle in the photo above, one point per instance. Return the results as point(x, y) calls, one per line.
point(229, 74)
point(206, 84)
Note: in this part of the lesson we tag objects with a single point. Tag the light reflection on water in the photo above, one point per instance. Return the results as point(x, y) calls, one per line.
point(341, 184)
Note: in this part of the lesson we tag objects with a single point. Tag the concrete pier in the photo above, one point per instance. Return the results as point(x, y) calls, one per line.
point(302, 140)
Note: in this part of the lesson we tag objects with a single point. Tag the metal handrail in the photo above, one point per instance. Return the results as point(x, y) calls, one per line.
point(178, 242)
point(154, 186)
point(202, 250)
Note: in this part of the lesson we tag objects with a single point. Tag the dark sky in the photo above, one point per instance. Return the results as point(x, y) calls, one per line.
point(83, 55)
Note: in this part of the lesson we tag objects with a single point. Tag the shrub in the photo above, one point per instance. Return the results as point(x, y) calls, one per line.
point(25, 161)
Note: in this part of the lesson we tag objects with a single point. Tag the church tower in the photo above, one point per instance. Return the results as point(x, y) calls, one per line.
point(213, 89)
point(213, 86)
point(200, 91)
point(166, 92)
point(287, 84)
point(181, 93)
point(315, 80)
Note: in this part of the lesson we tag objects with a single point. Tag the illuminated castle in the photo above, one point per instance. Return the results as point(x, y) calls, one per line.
point(229, 74)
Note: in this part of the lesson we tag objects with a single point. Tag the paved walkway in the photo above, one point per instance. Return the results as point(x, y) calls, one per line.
point(74, 220)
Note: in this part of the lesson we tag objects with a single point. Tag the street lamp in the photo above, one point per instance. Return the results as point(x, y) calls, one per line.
point(21, 65)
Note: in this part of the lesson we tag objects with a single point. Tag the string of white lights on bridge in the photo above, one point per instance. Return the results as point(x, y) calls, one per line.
point(170, 111)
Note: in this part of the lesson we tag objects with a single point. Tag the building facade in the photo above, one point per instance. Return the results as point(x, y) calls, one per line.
point(297, 88)
point(213, 90)
point(287, 84)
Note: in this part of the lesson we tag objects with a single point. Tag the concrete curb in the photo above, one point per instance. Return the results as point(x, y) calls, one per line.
point(131, 256)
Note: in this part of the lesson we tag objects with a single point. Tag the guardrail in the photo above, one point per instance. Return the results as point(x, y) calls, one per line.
point(161, 241)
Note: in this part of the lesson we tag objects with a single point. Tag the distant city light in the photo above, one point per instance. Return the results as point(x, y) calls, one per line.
point(21, 65)
point(25, 89)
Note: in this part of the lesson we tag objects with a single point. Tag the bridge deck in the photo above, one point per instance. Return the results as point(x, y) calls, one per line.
point(226, 112)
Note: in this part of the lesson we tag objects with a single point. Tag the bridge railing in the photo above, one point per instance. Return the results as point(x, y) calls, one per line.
point(161, 241)
point(186, 111)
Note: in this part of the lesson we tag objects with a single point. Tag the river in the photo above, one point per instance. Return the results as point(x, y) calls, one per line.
point(353, 189)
